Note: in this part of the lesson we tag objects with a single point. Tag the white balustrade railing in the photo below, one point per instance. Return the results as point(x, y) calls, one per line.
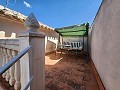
point(9, 48)
point(23, 69)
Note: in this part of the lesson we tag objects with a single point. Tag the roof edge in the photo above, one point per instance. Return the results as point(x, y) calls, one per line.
point(17, 16)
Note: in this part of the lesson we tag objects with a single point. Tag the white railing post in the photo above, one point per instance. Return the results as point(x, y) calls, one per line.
point(33, 63)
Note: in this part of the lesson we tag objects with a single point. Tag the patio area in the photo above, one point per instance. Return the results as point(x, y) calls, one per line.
point(68, 72)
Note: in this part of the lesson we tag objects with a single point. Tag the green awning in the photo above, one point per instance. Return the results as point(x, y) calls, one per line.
point(80, 33)
point(75, 30)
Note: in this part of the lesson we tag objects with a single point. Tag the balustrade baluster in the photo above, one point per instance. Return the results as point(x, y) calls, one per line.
point(8, 59)
point(17, 85)
point(12, 69)
point(0, 50)
point(4, 61)
point(1, 57)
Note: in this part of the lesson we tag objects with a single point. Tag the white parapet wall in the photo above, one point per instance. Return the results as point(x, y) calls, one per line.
point(9, 48)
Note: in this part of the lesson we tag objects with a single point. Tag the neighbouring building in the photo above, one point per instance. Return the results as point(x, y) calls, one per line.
point(12, 23)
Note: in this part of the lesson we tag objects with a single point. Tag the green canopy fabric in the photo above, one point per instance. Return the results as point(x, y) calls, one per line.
point(75, 30)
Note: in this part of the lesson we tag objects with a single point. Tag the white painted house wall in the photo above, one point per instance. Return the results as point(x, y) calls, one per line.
point(10, 26)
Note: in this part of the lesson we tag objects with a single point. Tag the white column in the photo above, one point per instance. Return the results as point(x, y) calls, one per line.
point(7, 60)
point(33, 63)
point(12, 69)
point(17, 85)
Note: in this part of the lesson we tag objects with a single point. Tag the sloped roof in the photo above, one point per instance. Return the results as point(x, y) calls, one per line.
point(11, 14)
point(75, 30)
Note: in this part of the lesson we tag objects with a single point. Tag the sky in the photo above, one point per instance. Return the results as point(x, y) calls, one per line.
point(57, 13)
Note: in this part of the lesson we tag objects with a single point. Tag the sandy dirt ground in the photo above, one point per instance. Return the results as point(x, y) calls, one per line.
point(68, 72)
